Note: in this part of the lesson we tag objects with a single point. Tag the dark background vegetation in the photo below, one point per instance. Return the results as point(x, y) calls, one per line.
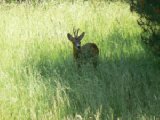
point(149, 21)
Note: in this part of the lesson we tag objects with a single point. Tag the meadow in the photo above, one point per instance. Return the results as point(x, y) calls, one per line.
point(40, 81)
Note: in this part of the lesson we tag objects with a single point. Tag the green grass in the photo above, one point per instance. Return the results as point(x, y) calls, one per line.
point(39, 80)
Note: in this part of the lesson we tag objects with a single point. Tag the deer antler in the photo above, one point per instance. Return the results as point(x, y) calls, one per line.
point(75, 32)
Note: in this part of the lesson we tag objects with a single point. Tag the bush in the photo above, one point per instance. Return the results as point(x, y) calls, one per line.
point(149, 21)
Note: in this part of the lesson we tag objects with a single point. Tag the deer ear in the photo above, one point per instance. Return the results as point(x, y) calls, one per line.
point(81, 36)
point(70, 37)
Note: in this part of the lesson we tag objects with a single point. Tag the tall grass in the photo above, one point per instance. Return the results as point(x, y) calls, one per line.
point(39, 80)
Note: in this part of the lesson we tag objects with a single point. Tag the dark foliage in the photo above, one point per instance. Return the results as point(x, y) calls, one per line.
point(149, 21)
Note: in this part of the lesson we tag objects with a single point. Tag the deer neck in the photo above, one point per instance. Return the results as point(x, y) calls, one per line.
point(76, 53)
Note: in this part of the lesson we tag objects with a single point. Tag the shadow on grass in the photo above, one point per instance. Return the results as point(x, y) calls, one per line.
point(123, 86)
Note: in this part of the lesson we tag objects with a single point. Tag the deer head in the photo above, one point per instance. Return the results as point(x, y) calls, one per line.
point(75, 39)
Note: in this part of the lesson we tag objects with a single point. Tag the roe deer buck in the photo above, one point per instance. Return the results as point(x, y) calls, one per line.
point(87, 53)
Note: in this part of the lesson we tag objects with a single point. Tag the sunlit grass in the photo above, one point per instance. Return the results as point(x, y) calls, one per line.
point(39, 80)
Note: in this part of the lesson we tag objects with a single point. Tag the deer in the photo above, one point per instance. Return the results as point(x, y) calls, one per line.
point(88, 53)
